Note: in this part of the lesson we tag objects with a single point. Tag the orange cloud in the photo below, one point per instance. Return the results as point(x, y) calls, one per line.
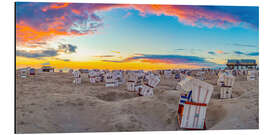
point(76, 11)
point(27, 35)
point(219, 51)
point(157, 61)
point(55, 6)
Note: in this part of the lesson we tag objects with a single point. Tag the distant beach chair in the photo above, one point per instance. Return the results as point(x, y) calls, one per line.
point(32, 71)
point(193, 104)
point(177, 76)
point(131, 80)
point(167, 74)
point(227, 83)
point(92, 76)
point(77, 77)
point(110, 80)
point(23, 73)
point(252, 74)
point(119, 77)
point(147, 88)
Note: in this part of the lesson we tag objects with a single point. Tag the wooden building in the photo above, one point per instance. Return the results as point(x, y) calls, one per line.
point(242, 63)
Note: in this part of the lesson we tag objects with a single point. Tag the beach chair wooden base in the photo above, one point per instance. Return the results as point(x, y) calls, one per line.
point(180, 118)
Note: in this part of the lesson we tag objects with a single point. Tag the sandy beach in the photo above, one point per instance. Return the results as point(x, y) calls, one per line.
point(50, 102)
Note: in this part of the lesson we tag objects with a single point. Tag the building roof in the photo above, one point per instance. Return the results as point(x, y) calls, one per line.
point(241, 62)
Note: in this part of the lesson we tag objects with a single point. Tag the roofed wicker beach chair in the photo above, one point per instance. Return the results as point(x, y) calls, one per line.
point(193, 104)
point(77, 77)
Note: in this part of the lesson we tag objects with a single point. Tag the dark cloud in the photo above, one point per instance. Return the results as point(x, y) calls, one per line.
point(253, 54)
point(211, 52)
point(67, 48)
point(37, 54)
point(238, 52)
point(174, 58)
point(244, 45)
point(247, 54)
point(248, 16)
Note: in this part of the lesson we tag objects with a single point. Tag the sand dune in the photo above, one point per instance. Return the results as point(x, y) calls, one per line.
point(49, 102)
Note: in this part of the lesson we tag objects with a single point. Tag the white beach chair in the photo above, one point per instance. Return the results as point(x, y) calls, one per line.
point(110, 80)
point(131, 77)
point(23, 73)
point(147, 88)
point(226, 87)
point(77, 77)
point(252, 74)
point(167, 74)
point(119, 77)
point(220, 80)
point(192, 106)
point(92, 76)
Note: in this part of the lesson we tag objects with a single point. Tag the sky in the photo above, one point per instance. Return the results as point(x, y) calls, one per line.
point(132, 37)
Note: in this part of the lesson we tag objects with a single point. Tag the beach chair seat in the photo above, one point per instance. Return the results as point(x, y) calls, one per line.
point(192, 116)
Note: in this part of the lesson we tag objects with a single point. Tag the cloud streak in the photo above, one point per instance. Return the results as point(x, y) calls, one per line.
point(167, 59)
point(247, 54)
point(211, 52)
point(245, 45)
point(37, 54)
point(105, 56)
